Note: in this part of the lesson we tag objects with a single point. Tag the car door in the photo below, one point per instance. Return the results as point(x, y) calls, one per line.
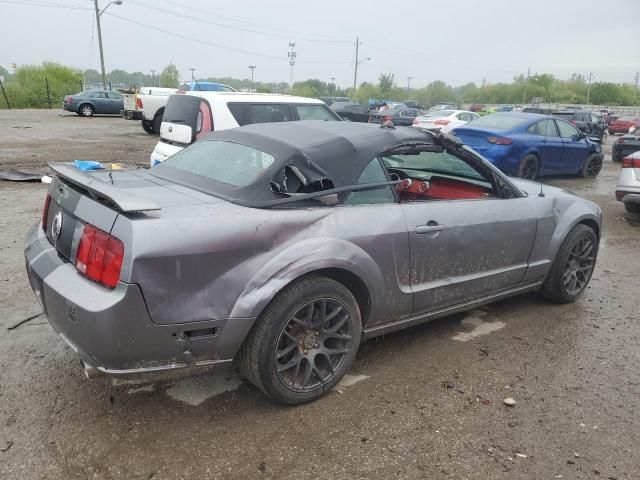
point(549, 144)
point(407, 116)
point(359, 113)
point(114, 101)
point(99, 100)
point(463, 244)
point(575, 148)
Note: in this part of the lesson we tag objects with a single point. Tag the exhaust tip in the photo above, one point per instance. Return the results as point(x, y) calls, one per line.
point(90, 371)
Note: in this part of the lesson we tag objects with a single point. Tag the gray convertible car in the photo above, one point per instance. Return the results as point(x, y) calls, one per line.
point(281, 246)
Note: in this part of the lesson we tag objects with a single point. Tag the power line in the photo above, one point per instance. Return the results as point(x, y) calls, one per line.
point(265, 27)
point(211, 44)
point(31, 3)
point(223, 25)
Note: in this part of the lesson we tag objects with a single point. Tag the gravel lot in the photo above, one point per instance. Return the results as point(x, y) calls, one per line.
point(422, 403)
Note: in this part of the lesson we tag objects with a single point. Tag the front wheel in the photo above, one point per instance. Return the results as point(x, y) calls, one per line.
point(304, 342)
point(529, 167)
point(592, 166)
point(604, 138)
point(157, 122)
point(573, 266)
point(632, 207)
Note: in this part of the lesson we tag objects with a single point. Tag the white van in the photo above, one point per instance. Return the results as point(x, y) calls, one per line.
point(190, 115)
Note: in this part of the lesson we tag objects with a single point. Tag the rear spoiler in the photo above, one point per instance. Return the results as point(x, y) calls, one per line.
point(124, 201)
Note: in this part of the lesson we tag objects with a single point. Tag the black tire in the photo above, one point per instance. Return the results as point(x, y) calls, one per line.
point(616, 158)
point(529, 167)
point(86, 110)
point(280, 342)
point(570, 264)
point(147, 126)
point(157, 122)
point(592, 166)
point(603, 138)
point(632, 207)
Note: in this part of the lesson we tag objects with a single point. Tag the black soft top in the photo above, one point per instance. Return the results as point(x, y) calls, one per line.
point(310, 156)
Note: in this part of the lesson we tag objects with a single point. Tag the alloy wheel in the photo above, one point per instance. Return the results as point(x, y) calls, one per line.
point(579, 267)
point(530, 169)
point(594, 167)
point(313, 345)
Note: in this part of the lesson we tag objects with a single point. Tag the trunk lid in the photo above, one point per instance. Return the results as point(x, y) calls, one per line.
point(474, 138)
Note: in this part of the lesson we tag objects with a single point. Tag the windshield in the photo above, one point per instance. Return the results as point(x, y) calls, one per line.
point(226, 162)
point(500, 122)
point(440, 113)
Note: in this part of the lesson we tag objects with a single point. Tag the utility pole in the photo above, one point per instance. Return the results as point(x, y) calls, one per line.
point(408, 85)
point(333, 79)
point(292, 61)
point(98, 14)
point(252, 67)
point(153, 78)
point(526, 85)
point(589, 88)
point(355, 71)
point(193, 78)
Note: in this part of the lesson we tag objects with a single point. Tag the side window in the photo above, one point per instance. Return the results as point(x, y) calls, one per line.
point(409, 113)
point(373, 173)
point(237, 110)
point(545, 128)
point(431, 175)
point(114, 95)
point(267, 113)
point(97, 95)
point(566, 129)
point(313, 112)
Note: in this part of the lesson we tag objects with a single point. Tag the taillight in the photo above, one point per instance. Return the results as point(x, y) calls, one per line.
point(45, 212)
point(629, 162)
point(69, 99)
point(387, 118)
point(500, 140)
point(572, 121)
point(441, 122)
point(620, 140)
point(100, 256)
point(139, 103)
point(416, 121)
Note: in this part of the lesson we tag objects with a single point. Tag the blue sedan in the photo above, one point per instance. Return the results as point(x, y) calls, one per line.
point(530, 145)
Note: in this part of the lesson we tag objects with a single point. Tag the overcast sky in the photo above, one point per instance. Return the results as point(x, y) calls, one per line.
point(455, 41)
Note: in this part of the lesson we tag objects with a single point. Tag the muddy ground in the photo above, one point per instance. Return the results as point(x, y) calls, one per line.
point(422, 403)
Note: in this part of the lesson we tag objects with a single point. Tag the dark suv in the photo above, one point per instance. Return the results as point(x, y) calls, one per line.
point(587, 122)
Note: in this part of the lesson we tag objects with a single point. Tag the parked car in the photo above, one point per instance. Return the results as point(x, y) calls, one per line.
point(147, 105)
point(331, 100)
point(257, 244)
point(197, 86)
point(412, 104)
point(444, 120)
point(540, 110)
point(443, 106)
point(623, 125)
point(189, 116)
point(487, 110)
point(92, 102)
point(628, 189)
point(530, 145)
point(587, 122)
point(476, 107)
point(626, 145)
point(399, 115)
point(354, 112)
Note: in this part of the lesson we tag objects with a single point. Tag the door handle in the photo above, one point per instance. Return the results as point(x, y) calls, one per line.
point(431, 227)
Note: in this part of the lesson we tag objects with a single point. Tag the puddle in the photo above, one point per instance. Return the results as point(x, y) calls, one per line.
point(196, 390)
point(479, 327)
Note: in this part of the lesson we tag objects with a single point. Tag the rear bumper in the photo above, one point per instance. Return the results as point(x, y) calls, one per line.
point(111, 330)
point(70, 107)
point(131, 114)
point(621, 150)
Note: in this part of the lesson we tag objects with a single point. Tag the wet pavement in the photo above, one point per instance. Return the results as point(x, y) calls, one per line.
point(427, 402)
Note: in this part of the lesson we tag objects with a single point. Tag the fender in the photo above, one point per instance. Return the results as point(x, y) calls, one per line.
point(577, 212)
point(300, 259)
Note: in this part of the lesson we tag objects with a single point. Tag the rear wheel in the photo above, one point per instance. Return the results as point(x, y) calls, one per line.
point(304, 342)
point(592, 166)
point(632, 207)
point(572, 268)
point(86, 110)
point(603, 139)
point(529, 167)
point(148, 126)
point(157, 122)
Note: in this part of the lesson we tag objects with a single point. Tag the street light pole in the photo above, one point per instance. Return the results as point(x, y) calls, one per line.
point(252, 67)
point(153, 78)
point(408, 86)
point(98, 14)
point(333, 86)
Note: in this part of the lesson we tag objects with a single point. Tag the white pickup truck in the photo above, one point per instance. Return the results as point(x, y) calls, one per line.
point(147, 104)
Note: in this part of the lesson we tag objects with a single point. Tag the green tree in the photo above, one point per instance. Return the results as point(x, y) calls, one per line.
point(385, 83)
point(170, 77)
